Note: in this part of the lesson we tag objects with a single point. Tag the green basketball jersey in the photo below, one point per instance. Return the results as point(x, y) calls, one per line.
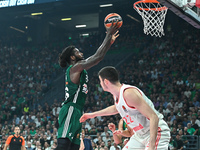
point(76, 93)
point(124, 125)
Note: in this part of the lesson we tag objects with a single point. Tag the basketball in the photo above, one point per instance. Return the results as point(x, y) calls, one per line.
point(113, 17)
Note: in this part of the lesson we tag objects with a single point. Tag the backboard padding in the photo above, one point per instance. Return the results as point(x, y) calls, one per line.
point(184, 12)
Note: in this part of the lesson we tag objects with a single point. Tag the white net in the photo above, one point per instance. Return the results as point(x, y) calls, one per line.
point(153, 16)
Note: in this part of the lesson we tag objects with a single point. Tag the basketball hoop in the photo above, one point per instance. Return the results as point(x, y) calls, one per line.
point(153, 16)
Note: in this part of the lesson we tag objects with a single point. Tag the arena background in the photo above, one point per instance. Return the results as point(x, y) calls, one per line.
point(166, 69)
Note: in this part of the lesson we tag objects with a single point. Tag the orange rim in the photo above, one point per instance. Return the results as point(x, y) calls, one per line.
point(147, 9)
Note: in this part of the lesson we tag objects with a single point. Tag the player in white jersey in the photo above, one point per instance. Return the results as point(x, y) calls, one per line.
point(151, 131)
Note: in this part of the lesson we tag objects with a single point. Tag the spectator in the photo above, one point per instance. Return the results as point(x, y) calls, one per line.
point(190, 130)
point(16, 119)
point(187, 93)
point(30, 119)
point(185, 131)
point(29, 146)
point(185, 122)
point(167, 110)
point(28, 139)
point(93, 130)
point(179, 104)
point(172, 144)
point(102, 145)
point(172, 116)
point(115, 147)
point(195, 102)
point(87, 142)
point(184, 139)
point(180, 127)
point(35, 138)
point(54, 145)
point(185, 108)
point(37, 146)
point(194, 125)
point(181, 116)
point(99, 140)
point(100, 127)
point(46, 146)
point(94, 145)
point(106, 131)
point(86, 131)
point(195, 120)
point(32, 131)
point(26, 109)
point(24, 117)
point(106, 138)
point(179, 82)
point(179, 142)
point(174, 124)
point(174, 131)
point(109, 144)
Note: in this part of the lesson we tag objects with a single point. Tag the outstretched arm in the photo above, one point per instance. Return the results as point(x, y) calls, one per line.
point(104, 112)
point(111, 35)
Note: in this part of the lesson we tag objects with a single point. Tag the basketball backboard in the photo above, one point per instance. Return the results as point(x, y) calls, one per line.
point(186, 9)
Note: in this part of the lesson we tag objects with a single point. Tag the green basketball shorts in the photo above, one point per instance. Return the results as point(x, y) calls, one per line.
point(69, 125)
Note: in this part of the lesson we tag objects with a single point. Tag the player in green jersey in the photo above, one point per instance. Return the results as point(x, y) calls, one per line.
point(76, 80)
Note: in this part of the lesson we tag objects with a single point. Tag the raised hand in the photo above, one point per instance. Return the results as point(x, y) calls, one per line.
point(111, 126)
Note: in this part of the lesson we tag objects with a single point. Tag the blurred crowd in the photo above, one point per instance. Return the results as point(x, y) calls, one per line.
point(166, 69)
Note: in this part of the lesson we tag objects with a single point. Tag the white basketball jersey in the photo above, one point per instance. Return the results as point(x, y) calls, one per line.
point(133, 118)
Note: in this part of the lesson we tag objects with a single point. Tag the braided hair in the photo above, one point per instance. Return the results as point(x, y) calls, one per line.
point(64, 57)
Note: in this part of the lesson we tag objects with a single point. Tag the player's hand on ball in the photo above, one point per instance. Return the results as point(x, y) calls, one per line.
point(111, 126)
point(113, 29)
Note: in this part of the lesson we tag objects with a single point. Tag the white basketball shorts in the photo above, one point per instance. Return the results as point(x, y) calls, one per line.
point(138, 142)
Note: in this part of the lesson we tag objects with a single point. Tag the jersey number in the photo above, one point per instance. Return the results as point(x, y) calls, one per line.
point(129, 120)
point(66, 93)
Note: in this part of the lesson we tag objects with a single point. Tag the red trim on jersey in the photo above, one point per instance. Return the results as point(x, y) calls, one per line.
point(158, 137)
point(118, 95)
point(127, 104)
point(138, 127)
point(125, 99)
